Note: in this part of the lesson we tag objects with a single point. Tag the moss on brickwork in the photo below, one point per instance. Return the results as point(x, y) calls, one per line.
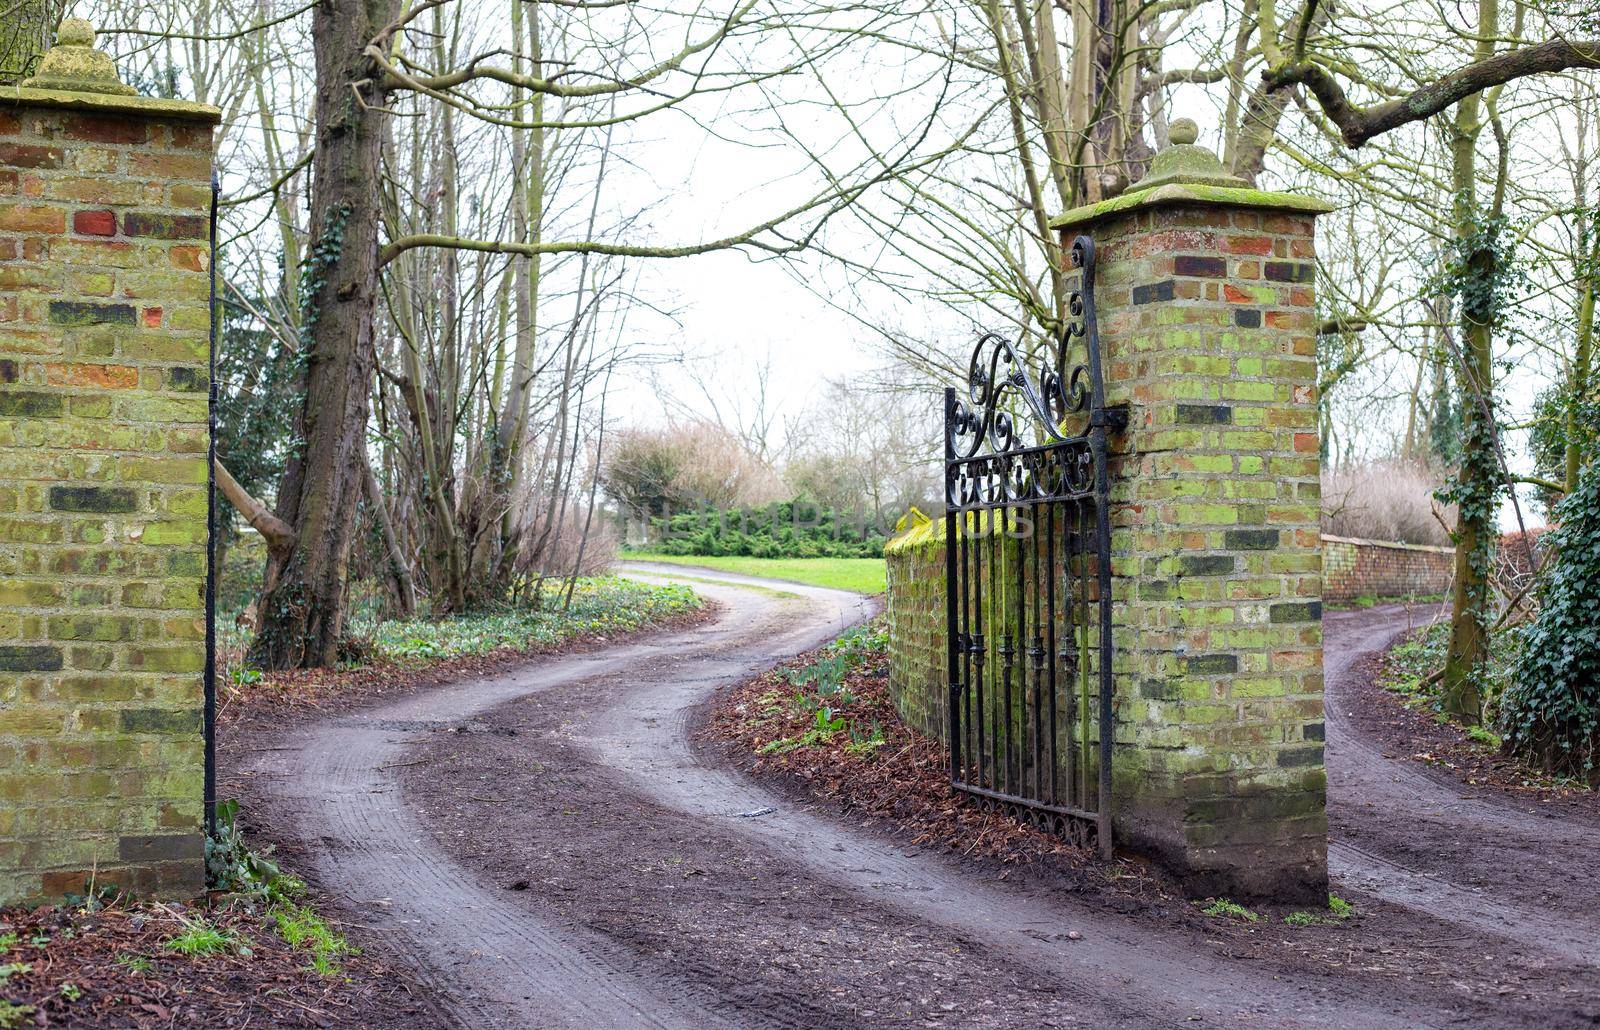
point(1374, 570)
point(102, 466)
point(918, 677)
point(1189, 194)
point(1207, 326)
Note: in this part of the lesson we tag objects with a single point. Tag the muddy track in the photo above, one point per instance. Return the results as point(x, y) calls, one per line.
point(551, 851)
point(1425, 840)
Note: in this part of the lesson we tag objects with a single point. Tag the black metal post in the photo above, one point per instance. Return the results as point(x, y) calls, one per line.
point(952, 643)
point(1083, 248)
point(210, 675)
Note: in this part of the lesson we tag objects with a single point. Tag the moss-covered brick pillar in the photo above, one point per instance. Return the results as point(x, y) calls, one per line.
point(1206, 318)
point(104, 344)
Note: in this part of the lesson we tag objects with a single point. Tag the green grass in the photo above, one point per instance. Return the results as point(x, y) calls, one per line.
point(862, 575)
point(303, 928)
point(1226, 909)
point(201, 938)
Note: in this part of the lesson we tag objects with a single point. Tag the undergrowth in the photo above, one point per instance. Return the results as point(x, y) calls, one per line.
point(821, 692)
point(1409, 672)
point(254, 879)
point(600, 605)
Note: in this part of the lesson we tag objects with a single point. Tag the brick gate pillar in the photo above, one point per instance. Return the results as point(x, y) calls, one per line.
point(1207, 327)
point(104, 345)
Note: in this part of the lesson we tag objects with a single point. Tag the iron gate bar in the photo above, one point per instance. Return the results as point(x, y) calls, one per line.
point(1009, 711)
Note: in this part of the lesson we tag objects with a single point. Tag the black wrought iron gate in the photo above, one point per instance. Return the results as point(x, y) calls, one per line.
point(1028, 576)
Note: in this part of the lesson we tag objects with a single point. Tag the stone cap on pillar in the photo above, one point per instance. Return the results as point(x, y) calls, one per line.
point(74, 75)
point(1185, 172)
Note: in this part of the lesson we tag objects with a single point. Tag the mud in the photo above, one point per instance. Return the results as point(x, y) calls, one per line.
point(548, 849)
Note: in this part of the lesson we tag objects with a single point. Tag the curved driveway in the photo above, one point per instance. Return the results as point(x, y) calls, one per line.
point(621, 717)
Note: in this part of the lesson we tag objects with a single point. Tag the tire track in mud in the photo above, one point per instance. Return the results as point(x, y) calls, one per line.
point(498, 959)
point(1416, 840)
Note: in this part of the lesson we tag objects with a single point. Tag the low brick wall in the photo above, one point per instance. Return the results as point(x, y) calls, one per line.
point(915, 612)
point(1383, 570)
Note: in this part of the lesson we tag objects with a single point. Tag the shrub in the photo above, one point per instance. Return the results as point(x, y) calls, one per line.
point(655, 471)
point(1388, 500)
point(794, 529)
point(1550, 715)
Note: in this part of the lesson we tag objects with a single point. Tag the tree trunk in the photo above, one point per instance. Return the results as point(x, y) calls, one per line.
point(26, 28)
point(1476, 480)
point(302, 615)
point(405, 591)
point(1579, 383)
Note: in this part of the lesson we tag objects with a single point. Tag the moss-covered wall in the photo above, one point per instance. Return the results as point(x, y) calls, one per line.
point(1207, 326)
point(104, 344)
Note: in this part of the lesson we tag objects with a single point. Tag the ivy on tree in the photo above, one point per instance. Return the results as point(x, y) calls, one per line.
point(1551, 712)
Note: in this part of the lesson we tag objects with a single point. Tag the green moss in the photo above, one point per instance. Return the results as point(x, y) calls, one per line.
point(72, 100)
point(1190, 193)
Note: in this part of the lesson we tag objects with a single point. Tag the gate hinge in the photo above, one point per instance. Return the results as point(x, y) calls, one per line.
point(1113, 416)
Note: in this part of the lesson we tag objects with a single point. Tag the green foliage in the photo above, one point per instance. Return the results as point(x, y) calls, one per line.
point(136, 963)
point(13, 1015)
point(1547, 437)
point(1338, 909)
point(823, 729)
point(258, 393)
point(1551, 713)
point(794, 529)
point(1410, 665)
point(201, 937)
point(232, 866)
point(1223, 908)
point(303, 928)
point(94, 897)
point(1483, 272)
point(822, 692)
point(608, 604)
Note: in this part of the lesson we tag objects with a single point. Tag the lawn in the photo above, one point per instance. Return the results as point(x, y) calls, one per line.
point(863, 575)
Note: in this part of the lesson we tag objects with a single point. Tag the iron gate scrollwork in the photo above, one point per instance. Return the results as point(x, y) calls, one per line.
point(1028, 575)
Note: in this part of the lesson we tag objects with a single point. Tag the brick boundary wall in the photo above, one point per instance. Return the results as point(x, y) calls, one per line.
point(104, 350)
point(1354, 569)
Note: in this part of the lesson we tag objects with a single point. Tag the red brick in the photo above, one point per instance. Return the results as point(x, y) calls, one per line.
point(1248, 245)
point(94, 223)
point(191, 259)
point(171, 166)
point(152, 318)
point(108, 377)
point(192, 137)
point(21, 155)
point(107, 130)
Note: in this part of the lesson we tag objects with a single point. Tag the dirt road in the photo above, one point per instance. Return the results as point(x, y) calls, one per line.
point(551, 851)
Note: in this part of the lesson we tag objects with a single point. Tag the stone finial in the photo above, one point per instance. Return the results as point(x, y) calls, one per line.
point(74, 64)
point(1183, 161)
